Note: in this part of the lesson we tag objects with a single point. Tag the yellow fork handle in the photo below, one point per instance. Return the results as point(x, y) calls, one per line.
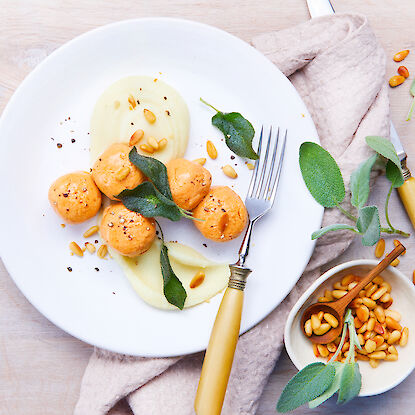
point(221, 349)
point(407, 194)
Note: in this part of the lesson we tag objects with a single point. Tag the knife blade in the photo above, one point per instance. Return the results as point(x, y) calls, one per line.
point(407, 190)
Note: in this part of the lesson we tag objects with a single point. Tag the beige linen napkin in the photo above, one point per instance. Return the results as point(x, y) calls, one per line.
point(338, 68)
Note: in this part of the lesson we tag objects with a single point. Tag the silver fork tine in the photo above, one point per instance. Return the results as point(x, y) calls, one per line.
point(264, 167)
point(273, 189)
point(267, 187)
point(255, 172)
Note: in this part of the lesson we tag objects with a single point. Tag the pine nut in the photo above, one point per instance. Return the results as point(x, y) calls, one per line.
point(328, 295)
point(331, 320)
point(102, 251)
point(392, 350)
point(362, 293)
point(395, 262)
point(323, 300)
point(378, 293)
point(361, 339)
point(377, 355)
point(230, 171)
point(345, 347)
point(339, 293)
point(400, 56)
point(322, 350)
point(392, 324)
point(197, 279)
point(136, 137)
point(320, 315)
point(362, 313)
point(368, 302)
point(147, 148)
point(362, 357)
point(380, 248)
point(391, 357)
point(396, 80)
point(315, 350)
point(404, 337)
point(162, 144)
point(331, 347)
point(394, 337)
point(347, 279)
point(374, 363)
point(363, 328)
point(352, 285)
point(122, 173)
point(211, 150)
point(385, 333)
point(371, 324)
point(90, 247)
point(250, 166)
point(132, 101)
point(382, 347)
point(152, 142)
point(378, 340)
point(91, 231)
point(395, 241)
point(356, 303)
point(385, 299)
point(370, 346)
point(371, 290)
point(200, 161)
point(378, 328)
point(378, 280)
point(370, 284)
point(307, 328)
point(149, 116)
point(74, 247)
point(315, 322)
point(338, 286)
point(387, 285)
point(368, 335)
point(358, 323)
point(324, 328)
point(393, 314)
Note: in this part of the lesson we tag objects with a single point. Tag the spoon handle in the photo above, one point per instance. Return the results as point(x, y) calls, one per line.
point(344, 301)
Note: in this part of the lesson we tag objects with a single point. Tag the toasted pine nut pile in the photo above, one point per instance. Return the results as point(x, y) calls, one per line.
point(378, 327)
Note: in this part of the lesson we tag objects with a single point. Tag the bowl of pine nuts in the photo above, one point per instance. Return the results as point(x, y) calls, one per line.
point(383, 320)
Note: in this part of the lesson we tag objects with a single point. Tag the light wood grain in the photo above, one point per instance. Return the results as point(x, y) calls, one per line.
point(41, 366)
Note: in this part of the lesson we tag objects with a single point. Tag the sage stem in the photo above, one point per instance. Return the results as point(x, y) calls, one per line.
point(206, 103)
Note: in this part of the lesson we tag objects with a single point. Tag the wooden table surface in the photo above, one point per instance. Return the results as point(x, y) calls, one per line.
point(41, 366)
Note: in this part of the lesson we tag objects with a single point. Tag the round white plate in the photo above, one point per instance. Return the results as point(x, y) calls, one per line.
point(54, 105)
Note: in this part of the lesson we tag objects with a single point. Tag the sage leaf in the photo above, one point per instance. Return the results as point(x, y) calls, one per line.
point(334, 387)
point(384, 147)
point(306, 385)
point(173, 289)
point(368, 224)
point(330, 228)
point(237, 130)
point(394, 174)
point(350, 383)
point(321, 175)
point(411, 109)
point(148, 201)
point(155, 170)
point(359, 182)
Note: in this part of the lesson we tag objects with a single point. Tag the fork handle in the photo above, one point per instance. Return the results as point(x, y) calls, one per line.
point(221, 349)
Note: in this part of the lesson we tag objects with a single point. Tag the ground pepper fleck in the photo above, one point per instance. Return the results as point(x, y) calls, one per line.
point(69, 269)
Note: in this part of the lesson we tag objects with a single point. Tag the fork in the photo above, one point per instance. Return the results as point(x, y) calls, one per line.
point(224, 336)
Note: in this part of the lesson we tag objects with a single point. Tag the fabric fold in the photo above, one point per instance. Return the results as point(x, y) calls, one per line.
point(338, 68)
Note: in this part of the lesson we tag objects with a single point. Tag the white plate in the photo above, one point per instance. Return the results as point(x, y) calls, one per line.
point(101, 308)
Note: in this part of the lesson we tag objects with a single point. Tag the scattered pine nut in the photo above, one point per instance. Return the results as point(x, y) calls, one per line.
point(136, 137)
point(162, 143)
point(152, 142)
point(122, 173)
point(200, 161)
point(400, 56)
point(146, 148)
point(380, 248)
point(90, 247)
point(211, 150)
point(395, 262)
point(404, 337)
point(91, 231)
point(75, 248)
point(250, 166)
point(197, 279)
point(63, 225)
point(149, 116)
point(132, 101)
point(102, 251)
point(230, 171)
point(323, 351)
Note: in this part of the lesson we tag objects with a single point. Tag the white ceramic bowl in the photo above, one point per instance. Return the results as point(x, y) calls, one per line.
point(388, 374)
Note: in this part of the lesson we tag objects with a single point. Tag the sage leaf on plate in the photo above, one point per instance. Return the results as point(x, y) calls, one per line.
point(359, 182)
point(237, 130)
point(321, 175)
point(384, 147)
point(155, 170)
point(306, 385)
point(411, 109)
point(334, 387)
point(330, 228)
point(148, 201)
point(172, 287)
point(394, 174)
point(368, 223)
point(350, 383)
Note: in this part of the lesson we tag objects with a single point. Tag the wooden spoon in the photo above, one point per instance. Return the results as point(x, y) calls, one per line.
point(337, 308)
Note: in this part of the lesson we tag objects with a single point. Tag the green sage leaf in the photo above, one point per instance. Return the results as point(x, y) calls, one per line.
point(237, 130)
point(334, 387)
point(394, 174)
point(384, 147)
point(173, 289)
point(306, 385)
point(350, 383)
point(359, 182)
point(330, 228)
point(148, 201)
point(321, 175)
point(368, 224)
point(155, 170)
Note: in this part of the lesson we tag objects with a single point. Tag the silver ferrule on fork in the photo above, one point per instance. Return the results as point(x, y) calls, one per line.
point(239, 275)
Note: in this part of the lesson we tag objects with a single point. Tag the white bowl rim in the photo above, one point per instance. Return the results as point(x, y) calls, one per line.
point(312, 288)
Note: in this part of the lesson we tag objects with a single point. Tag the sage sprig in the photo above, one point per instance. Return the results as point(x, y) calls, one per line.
point(324, 180)
point(237, 130)
point(318, 381)
point(411, 109)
